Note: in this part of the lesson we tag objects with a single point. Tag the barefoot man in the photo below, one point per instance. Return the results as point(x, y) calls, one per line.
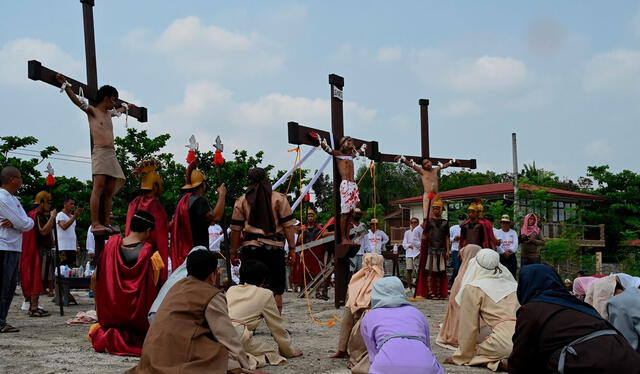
point(429, 176)
point(349, 194)
point(107, 174)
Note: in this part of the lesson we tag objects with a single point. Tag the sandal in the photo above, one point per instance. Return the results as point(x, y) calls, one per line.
point(8, 329)
point(38, 313)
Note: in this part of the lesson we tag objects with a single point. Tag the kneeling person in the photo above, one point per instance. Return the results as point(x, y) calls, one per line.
point(126, 285)
point(250, 304)
point(192, 332)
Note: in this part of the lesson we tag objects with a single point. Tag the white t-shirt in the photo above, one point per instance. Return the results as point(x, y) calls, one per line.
point(509, 241)
point(374, 242)
point(67, 240)
point(10, 208)
point(91, 242)
point(215, 237)
point(453, 232)
point(411, 242)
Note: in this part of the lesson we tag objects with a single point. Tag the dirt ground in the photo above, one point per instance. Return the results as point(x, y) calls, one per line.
point(49, 345)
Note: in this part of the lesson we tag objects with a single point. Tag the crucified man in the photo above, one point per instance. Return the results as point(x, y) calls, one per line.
point(349, 193)
point(105, 169)
point(429, 175)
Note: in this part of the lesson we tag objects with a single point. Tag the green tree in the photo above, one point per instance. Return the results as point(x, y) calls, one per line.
point(621, 209)
point(32, 180)
point(452, 180)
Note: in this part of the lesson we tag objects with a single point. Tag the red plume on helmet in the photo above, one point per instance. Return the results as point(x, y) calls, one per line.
point(307, 197)
point(192, 165)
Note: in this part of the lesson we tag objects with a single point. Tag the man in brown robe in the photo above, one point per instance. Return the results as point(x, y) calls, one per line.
point(192, 331)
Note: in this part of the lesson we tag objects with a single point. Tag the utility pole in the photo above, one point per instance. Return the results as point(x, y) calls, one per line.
point(516, 197)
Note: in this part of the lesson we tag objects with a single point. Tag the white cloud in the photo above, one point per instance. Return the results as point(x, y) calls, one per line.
point(15, 54)
point(192, 46)
point(614, 71)
point(209, 109)
point(489, 73)
point(389, 54)
point(462, 108)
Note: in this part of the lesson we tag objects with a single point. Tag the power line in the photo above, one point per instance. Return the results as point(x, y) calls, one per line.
point(51, 157)
point(57, 153)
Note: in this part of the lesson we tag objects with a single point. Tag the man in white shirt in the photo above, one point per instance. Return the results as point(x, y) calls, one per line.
point(454, 238)
point(375, 239)
point(507, 245)
point(356, 261)
point(215, 238)
point(411, 245)
point(66, 230)
point(13, 222)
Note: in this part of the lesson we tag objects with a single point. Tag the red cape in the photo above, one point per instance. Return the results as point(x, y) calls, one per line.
point(123, 299)
point(30, 271)
point(181, 239)
point(422, 279)
point(313, 261)
point(159, 238)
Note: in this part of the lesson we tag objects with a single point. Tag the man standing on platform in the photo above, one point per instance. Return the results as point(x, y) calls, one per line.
point(375, 240)
point(411, 245)
point(66, 230)
point(193, 216)
point(507, 245)
point(262, 220)
point(13, 222)
point(349, 193)
point(150, 188)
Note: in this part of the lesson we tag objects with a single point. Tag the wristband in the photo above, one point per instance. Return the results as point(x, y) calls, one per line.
point(64, 86)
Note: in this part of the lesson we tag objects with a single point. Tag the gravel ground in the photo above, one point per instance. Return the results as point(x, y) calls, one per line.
point(49, 345)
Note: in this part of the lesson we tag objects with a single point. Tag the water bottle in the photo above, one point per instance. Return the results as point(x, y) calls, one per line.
point(81, 271)
point(395, 249)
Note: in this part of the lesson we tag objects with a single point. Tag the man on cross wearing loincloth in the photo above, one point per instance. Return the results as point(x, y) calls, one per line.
point(349, 194)
point(428, 175)
point(105, 169)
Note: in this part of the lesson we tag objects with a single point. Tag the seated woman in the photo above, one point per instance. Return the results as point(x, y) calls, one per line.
point(126, 285)
point(487, 298)
point(396, 333)
point(249, 304)
point(555, 332)
point(448, 334)
point(624, 315)
point(358, 303)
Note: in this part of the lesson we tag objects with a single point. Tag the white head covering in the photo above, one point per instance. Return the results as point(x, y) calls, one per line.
point(486, 273)
point(628, 281)
point(600, 292)
point(388, 292)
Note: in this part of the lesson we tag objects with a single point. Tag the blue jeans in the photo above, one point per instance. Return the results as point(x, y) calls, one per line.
point(356, 263)
point(9, 263)
point(455, 261)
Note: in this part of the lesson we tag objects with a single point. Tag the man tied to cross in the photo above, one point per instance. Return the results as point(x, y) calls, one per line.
point(349, 194)
point(105, 169)
point(428, 175)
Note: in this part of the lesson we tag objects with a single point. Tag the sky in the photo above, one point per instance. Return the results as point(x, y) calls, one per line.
point(564, 76)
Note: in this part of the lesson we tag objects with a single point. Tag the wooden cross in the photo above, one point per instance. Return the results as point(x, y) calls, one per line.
point(299, 134)
point(38, 72)
point(424, 137)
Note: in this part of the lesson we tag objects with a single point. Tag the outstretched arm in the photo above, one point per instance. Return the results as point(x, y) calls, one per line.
point(84, 106)
point(215, 214)
point(410, 163)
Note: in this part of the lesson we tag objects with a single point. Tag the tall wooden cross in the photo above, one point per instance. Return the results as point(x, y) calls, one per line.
point(299, 134)
point(38, 72)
